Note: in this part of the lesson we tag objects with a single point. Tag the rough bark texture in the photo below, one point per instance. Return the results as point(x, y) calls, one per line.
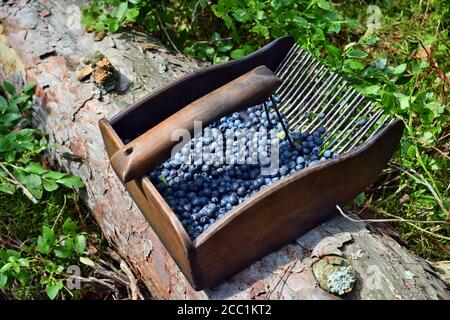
point(47, 49)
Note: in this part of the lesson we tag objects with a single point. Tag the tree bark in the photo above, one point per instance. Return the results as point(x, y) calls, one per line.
point(43, 42)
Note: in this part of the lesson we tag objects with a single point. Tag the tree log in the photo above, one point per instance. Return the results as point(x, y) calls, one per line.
point(43, 42)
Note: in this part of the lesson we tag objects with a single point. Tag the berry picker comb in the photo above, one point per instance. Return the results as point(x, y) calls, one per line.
point(215, 219)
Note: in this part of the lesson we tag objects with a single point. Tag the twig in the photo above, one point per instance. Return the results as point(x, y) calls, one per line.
point(103, 282)
point(178, 22)
point(17, 183)
point(194, 12)
point(211, 41)
point(135, 293)
point(60, 212)
point(398, 219)
point(166, 33)
point(423, 180)
point(425, 15)
point(287, 271)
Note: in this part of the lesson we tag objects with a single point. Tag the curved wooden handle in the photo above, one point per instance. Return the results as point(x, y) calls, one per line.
point(154, 146)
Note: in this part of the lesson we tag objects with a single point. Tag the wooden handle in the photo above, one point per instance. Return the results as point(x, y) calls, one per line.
point(154, 146)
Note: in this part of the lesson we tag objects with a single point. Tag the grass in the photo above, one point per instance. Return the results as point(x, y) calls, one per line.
point(21, 224)
point(411, 32)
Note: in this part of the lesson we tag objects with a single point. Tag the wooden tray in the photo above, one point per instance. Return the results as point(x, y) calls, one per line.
point(270, 219)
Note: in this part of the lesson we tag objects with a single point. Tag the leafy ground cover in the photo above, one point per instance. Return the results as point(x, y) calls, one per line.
point(394, 52)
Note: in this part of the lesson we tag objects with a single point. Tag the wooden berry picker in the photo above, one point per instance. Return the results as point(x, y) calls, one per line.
point(232, 162)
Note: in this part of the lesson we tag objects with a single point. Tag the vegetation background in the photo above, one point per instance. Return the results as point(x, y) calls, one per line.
point(396, 52)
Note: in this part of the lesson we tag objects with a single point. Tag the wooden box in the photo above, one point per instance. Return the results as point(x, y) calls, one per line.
point(269, 219)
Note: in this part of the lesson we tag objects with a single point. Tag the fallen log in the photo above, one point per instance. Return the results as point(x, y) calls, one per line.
point(43, 42)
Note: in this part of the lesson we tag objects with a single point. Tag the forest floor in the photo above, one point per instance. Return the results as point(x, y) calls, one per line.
point(410, 32)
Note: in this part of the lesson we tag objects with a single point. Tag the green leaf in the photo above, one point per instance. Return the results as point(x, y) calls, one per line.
point(49, 185)
point(209, 51)
point(79, 244)
point(54, 175)
point(215, 37)
point(113, 25)
point(403, 100)
point(11, 117)
point(64, 251)
point(399, 69)
point(49, 235)
point(224, 47)
point(69, 227)
point(7, 188)
point(23, 262)
point(33, 182)
point(35, 167)
point(22, 98)
point(428, 137)
point(43, 246)
point(6, 267)
point(390, 101)
point(360, 198)
point(354, 64)
point(221, 59)
point(372, 90)
point(71, 182)
point(238, 53)
point(412, 151)
point(3, 280)
point(29, 88)
point(241, 15)
point(3, 104)
point(9, 88)
point(53, 288)
point(132, 14)
point(301, 22)
point(15, 267)
point(123, 7)
point(356, 53)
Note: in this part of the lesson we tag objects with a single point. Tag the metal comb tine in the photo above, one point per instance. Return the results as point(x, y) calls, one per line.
point(287, 99)
point(316, 106)
point(319, 93)
point(306, 63)
point(280, 118)
point(309, 71)
point(317, 82)
point(299, 67)
point(286, 59)
point(324, 108)
point(344, 115)
point(357, 138)
point(386, 118)
point(341, 103)
point(266, 110)
point(363, 112)
point(328, 106)
point(293, 62)
point(360, 134)
point(303, 65)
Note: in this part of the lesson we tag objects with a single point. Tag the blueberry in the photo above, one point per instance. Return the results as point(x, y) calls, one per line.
point(328, 154)
point(300, 160)
point(283, 171)
point(233, 200)
point(241, 191)
point(362, 122)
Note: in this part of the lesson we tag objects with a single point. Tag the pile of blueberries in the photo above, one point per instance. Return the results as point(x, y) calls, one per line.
point(202, 189)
